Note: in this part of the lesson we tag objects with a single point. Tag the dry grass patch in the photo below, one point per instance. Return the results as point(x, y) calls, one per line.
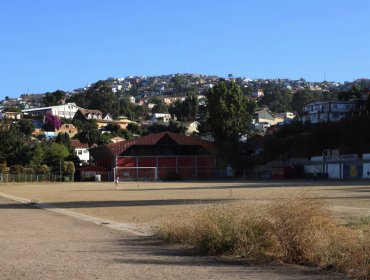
point(294, 230)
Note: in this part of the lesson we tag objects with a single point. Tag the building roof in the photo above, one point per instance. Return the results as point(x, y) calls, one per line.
point(264, 114)
point(75, 143)
point(328, 102)
point(117, 139)
point(115, 149)
point(88, 111)
point(49, 107)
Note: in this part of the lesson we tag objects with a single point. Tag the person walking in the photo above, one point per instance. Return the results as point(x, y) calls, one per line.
point(117, 181)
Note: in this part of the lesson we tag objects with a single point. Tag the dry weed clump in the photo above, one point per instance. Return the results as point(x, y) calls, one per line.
point(221, 229)
point(346, 250)
point(295, 230)
point(298, 224)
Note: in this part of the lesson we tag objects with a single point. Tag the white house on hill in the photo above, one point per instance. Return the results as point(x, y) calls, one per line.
point(67, 111)
point(327, 111)
point(81, 150)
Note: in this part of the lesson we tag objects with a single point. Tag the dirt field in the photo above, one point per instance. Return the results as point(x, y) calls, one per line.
point(146, 204)
point(37, 244)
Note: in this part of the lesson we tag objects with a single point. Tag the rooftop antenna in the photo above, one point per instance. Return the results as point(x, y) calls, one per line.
point(324, 77)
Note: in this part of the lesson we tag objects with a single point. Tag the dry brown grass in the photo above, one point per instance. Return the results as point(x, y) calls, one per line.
point(294, 230)
point(298, 224)
point(218, 229)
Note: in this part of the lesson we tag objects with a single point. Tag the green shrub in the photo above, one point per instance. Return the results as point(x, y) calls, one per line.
point(16, 169)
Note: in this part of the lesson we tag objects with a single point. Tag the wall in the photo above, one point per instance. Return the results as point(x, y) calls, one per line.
point(366, 170)
point(334, 171)
point(186, 166)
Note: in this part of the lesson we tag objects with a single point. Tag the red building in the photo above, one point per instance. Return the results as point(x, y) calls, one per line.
point(158, 156)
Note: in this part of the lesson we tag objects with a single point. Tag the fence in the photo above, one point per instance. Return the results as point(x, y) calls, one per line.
point(34, 178)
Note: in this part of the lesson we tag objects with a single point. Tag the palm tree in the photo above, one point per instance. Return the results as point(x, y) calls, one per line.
point(89, 134)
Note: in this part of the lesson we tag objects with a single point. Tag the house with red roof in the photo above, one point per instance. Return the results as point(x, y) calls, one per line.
point(156, 156)
point(87, 114)
point(81, 150)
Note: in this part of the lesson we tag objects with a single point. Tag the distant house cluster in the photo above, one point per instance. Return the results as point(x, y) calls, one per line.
point(167, 152)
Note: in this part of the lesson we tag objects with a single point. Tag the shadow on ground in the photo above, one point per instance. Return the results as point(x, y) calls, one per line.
point(151, 251)
point(130, 203)
point(238, 185)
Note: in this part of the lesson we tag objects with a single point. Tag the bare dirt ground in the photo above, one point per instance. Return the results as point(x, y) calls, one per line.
point(147, 204)
point(39, 244)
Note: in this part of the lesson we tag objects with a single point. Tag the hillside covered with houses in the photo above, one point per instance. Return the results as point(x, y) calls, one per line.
point(285, 124)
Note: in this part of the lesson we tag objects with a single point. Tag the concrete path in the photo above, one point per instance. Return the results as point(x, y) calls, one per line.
point(39, 244)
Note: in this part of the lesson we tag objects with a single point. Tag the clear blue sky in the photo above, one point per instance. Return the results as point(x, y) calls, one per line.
point(47, 45)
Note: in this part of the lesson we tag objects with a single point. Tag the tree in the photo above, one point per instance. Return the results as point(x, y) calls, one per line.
point(186, 110)
point(37, 156)
point(13, 149)
point(26, 127)
point(56, 152)
point(178, 83)
point(113, 128)
point(277, 100)
point(43, 169)
point(127, 108)
point(141, 111)
point(53, 98)
point(104, 139)
point(230, 112)
point(160, 108)
point(99, 96)
point(90, 133)
point(64, 139)
point(173, 126)
point(3, 168)
point(51, 122)
point(55, 155)
point(16, 169)
point(301, 98)
point(134, 128)
point(229, 116)
point(124, 133)
point(69, 168)
point(354, 93)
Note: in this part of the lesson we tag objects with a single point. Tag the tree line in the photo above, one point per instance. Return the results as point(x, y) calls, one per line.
point(21, 154)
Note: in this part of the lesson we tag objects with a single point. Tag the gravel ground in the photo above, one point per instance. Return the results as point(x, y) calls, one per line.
point(39, 244)
point(146, 204)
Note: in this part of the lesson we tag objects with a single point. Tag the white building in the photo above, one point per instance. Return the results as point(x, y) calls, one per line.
point(258, 93)
point(326, 111)
point(67, 111)
point(160, 118)
point(192, 127)
point(116, 88)
point(81, 150)
point(127, 85)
